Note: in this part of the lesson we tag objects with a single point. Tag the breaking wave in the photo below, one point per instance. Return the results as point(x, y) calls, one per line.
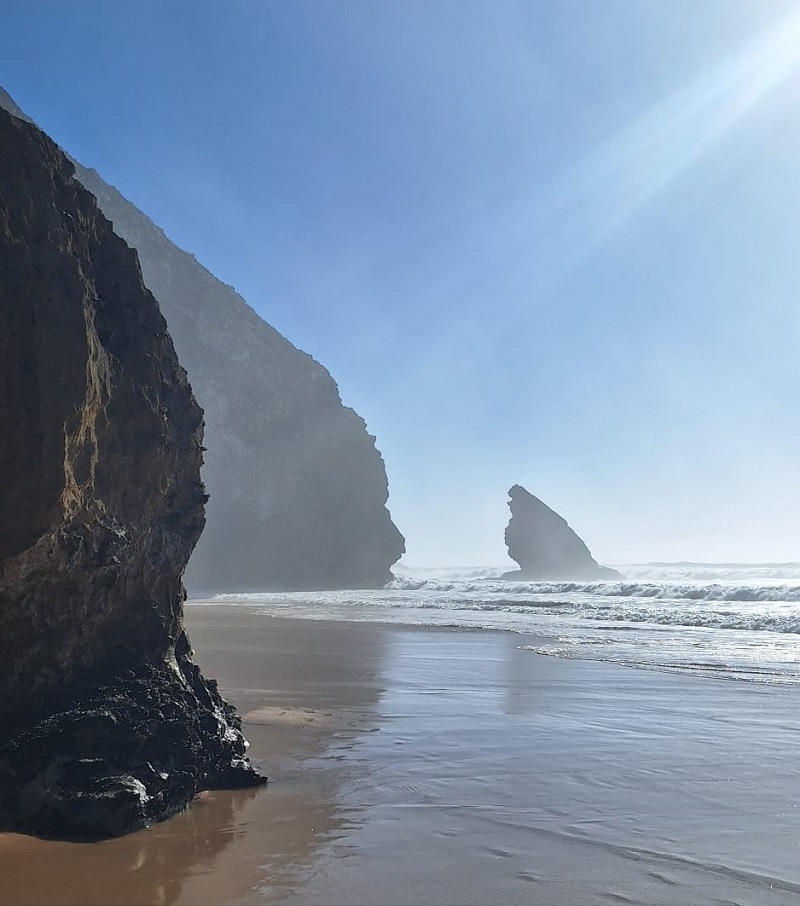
point(726, 620)
point(686, 591)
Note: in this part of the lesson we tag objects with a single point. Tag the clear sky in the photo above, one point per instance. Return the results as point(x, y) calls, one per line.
point(551, 242)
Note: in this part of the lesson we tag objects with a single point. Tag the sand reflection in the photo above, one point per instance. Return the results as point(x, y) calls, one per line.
point(147, 867)
point(251, 846)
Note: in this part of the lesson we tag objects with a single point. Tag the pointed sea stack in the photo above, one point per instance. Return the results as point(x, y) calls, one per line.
point(106, 725)
point(545, 546)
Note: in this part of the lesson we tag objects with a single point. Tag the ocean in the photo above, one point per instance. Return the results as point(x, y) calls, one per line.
point(649, 757)
point(737, 621)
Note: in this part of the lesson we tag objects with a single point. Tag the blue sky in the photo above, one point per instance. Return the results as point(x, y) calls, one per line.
point(548, 243)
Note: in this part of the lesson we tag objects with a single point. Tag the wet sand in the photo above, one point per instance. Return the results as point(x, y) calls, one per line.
point(453, 767)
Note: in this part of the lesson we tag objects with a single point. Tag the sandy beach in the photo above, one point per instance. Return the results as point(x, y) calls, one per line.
point(443, 766)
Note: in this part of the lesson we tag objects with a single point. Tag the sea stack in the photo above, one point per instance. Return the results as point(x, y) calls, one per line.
point(545, 546)
point(106, 725)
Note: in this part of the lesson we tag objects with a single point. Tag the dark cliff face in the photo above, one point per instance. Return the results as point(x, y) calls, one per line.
point(544, 545)
point(101, 504)
point(100, 450)
point(297, 488)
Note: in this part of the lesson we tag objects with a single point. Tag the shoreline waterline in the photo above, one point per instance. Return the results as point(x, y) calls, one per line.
point(727, 621)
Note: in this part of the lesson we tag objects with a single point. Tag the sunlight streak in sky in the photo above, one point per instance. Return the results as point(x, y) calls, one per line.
point(520, 252)
point(545, 231)
point(607, 189)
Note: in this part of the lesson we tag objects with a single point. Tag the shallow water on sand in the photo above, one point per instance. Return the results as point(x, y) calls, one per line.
point(498, 777)
point(303, 695)
point(453, 766)
point(728, 621)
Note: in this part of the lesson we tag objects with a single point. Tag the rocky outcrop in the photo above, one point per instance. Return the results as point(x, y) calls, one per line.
point(105, 723)
point(297, 488)
point(544, 545)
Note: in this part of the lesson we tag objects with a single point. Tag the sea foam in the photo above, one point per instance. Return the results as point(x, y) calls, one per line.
point(739, 620)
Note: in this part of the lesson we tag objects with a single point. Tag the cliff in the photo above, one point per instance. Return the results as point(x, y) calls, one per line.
point(297, 488)
point(106, 725)
point(544, 545)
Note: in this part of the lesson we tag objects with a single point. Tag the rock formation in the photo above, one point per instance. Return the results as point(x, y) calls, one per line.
point(545, 546)
point(297, 488)
point(106, 725)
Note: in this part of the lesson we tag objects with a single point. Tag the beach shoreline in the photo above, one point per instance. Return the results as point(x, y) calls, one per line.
point(440, 765)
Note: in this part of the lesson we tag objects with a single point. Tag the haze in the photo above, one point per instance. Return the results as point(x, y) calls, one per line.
point(546, 243)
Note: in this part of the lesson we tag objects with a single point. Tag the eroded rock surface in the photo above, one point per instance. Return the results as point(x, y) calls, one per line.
point(297, 487)
point(544, 545)
point(105, 723)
